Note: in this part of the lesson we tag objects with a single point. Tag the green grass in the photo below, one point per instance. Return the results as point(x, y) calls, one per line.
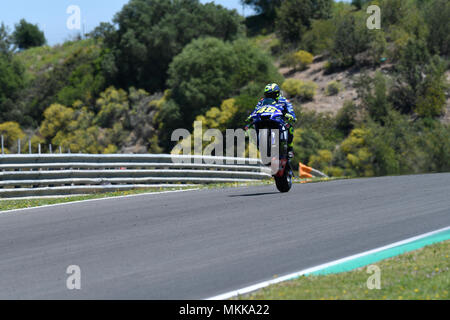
point(37, 202)
point(418, 275)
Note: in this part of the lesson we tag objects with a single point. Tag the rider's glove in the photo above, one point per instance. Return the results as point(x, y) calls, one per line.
point(289, 117)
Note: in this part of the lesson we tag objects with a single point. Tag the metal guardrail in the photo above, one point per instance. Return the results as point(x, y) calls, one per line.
point(61, 174)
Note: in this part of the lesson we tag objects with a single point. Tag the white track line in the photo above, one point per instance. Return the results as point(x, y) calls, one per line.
point(99, 199)
point(294, 275)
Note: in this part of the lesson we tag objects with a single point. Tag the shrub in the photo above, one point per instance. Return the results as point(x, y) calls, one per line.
point(303, 59)
point(297, 60)
point(307, 142)
point(345, 118)
point(56, 119)
point(219, 118)
point(275, 46)
point(320, 38)
point(432, 104)
point(321, 160)
point(334, 172)
point(113, 105)
point(11, 132)
point(288, 60)
point(333, 88)
point(305, 90)
point(357, 155)
point(328, 67)
point(290, 87)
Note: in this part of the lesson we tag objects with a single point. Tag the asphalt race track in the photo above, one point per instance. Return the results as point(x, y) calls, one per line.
point(198, 244)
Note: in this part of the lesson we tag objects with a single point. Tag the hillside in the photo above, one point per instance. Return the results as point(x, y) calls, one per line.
point(316, 72)
point(370, 102)
point(323, 102)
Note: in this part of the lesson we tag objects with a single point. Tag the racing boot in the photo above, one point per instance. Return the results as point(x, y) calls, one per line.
point(290, 152)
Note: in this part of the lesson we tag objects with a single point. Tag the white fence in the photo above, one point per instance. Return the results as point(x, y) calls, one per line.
point(63, 174)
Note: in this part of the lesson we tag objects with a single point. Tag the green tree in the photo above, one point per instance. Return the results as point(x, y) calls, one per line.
point(202, 76)
point(27, 35)
point(437, 14)
point(210, 70)
point(413, 62)
point(294, 17)
point(436, 147)
point(420, 82)
point(11, 78)
point(11, 82)
point(85, 78)
point(351, 37)
point(377, 48)
point(346, 117)
point(374, 96)
point(430, 101)
point(150, 33)
point(102, 31)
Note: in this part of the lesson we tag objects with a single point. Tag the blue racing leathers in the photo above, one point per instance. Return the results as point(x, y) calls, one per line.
point(289, 113)
point(288, 108)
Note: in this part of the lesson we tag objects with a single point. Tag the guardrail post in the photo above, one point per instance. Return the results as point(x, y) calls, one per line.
point(39, 148)
point(18, 146)
point(50, 148)
point(29, 146)
point(60, 150)
point(3, 151)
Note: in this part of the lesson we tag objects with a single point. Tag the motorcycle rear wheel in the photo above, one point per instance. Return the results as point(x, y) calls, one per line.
point(284, 183)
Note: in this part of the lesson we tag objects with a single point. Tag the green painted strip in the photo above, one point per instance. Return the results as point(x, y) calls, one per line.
point(384, 254)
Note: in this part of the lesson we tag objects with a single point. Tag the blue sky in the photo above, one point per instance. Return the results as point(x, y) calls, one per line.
point(51, 16)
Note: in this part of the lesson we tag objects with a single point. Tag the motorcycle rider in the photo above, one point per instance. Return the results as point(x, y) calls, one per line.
point(273, 91)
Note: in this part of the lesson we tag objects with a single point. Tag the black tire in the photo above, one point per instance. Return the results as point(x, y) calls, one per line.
point(284, 183)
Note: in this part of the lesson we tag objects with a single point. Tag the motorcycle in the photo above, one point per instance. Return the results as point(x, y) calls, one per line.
point(272, 135)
